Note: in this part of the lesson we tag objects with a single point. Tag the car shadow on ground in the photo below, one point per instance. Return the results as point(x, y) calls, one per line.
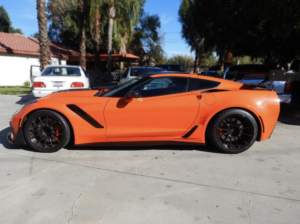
point(25, 99)
point(203, 148)
point(289, 114)
point(180, 147)
point(5, 143)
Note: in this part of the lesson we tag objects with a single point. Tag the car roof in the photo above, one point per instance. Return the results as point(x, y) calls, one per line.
point(70, 66)
point(145, 68)
point(168, 64)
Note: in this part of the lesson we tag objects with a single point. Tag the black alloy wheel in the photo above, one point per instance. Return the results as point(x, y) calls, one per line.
point(46, 131)
point(233, 131)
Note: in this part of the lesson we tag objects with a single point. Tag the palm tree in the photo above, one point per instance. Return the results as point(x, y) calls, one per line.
point(111, 17)
point(96, 14)
point(82, 38)
point(44, 42)
point(127, 12)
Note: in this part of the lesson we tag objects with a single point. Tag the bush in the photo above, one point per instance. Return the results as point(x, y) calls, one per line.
point(27, 84)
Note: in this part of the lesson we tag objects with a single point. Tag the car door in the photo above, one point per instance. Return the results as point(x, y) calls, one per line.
point(165, 108)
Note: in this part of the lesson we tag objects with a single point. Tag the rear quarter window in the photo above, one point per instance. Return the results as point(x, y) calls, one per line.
point(200, 84)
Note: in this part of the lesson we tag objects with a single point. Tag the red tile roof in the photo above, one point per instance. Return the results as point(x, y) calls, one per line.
point(18, 44)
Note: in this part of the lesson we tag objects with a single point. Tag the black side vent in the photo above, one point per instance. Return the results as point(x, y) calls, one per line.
point(190, 132)
point(77, 110)
point(263, 125)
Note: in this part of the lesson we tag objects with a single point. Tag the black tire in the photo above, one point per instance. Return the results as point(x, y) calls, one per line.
point(46, 131)
point(232, 131)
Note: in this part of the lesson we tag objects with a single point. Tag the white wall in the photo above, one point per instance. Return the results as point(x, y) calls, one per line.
point(15, 69)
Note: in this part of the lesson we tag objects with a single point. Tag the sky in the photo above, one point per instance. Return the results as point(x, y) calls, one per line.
point(23, 15)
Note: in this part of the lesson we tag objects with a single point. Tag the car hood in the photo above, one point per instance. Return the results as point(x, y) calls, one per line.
point(73, 93)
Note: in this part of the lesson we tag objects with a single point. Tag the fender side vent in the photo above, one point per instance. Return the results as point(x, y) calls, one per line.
point(263, 125)
point(77, 110)
point(190, 132)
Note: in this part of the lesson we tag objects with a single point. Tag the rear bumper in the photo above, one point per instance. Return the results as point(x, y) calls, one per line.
point(285, 97)
point(41, 93)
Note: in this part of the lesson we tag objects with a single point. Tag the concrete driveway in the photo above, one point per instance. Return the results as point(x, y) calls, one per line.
point(164, 184)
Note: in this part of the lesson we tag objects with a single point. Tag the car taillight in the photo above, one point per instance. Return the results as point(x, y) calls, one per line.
point(287, 88)
point(39, 85)
point(77, 84)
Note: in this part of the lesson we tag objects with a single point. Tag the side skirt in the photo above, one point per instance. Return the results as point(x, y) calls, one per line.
point(149, 143)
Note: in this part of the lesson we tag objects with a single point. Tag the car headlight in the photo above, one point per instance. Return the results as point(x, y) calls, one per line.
point(23, 106)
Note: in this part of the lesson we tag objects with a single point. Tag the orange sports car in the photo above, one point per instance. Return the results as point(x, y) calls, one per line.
point(157, 108)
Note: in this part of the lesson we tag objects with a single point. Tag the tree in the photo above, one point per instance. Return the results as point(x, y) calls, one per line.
point(111, 17)
point(81, 34)
point(187, 61)
point(127, 17)
point(127, 13)
point(268, 29)
point(44, 42)
point(5, 23)
point(63, 24)
point(151, 38)
point(35, 35)
point(97, 18)
point(189, 32)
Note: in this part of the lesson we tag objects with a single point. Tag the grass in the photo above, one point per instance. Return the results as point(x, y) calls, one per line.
point(14, 90)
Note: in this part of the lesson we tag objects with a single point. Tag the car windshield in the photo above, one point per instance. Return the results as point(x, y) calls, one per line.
point(141, 71)
point(123, 86)
point(61, 71)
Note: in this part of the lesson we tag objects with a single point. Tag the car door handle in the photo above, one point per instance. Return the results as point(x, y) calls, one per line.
point(199, 97)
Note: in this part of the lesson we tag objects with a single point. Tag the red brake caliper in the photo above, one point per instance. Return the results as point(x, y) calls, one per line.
point(221, 132)
point(57, 132)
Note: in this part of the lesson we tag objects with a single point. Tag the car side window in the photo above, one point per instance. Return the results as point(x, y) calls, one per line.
point(162, 86)
point(125, 74)
point(199, 84)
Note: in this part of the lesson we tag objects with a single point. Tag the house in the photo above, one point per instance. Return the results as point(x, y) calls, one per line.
point(18, 53)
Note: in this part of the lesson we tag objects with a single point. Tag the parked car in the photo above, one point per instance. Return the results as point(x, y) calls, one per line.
point(171, 67)
point(258, 75)
point(133, 72)
point(292, 78)
point(179, 108)
point(55, 78)
point(117, 74)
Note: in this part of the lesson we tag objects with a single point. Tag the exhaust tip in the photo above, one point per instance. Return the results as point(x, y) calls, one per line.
point(10, 138)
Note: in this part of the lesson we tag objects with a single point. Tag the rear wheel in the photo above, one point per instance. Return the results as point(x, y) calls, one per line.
point(233, 131)
point(46, 131)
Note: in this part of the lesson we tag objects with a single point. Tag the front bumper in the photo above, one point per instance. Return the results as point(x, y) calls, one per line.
point(285, 97)
point(16, 138)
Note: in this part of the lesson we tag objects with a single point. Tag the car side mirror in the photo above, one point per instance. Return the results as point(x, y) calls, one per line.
point(103, 90)
point(131, 95)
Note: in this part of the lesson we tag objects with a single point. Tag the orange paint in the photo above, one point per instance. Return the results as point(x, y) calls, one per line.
point(160, 118)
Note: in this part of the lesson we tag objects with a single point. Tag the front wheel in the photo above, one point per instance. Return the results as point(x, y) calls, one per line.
point(46, 131)
point(233, 131)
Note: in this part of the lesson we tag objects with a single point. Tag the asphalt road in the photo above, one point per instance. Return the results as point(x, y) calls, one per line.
point(164, 184)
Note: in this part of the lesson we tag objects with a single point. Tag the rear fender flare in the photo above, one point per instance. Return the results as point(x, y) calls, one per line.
point(248, 109)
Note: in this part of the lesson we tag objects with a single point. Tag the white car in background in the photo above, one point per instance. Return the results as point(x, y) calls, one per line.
point(56, 78)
